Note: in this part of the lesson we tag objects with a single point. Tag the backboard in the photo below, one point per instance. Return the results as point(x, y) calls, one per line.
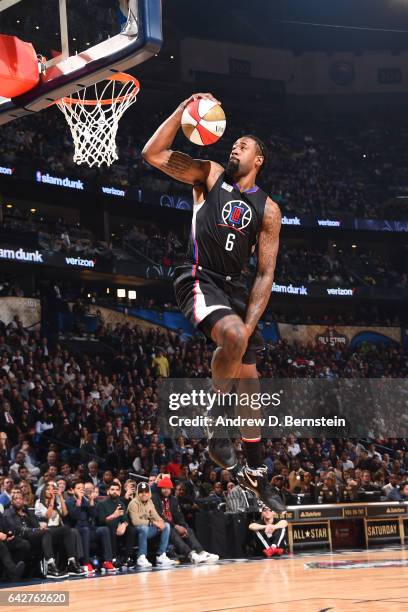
point(83, 41)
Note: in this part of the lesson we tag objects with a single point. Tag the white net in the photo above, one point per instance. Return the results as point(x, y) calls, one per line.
point(93, 115)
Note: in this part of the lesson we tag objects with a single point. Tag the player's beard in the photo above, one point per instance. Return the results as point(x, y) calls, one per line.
point(232, 168)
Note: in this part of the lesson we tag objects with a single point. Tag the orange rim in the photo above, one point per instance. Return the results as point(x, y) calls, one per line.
point(119, 76)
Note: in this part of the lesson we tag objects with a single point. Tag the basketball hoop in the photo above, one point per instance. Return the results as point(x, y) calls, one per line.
point(94, 122)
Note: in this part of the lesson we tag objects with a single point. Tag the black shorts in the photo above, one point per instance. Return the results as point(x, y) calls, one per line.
point(207, 297)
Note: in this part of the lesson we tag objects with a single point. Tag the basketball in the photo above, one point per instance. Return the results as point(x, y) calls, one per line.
point(203, 122)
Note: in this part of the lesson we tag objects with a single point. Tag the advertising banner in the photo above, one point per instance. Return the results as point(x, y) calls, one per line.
point(350, 336)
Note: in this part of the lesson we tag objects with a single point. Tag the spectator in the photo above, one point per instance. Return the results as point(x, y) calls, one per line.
point(13, 551)
point(400, 493)
point(81, 514)
point(144, 516)
point(181, 535)
point(19, 518)
point(271, 534)
point(111, 515)
point(51, 510)
point(5, 497)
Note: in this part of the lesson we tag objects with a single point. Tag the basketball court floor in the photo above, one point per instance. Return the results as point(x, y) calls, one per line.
point(342, 582)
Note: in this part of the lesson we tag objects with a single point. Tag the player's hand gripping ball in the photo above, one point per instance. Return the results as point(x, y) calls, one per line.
point(203, 121)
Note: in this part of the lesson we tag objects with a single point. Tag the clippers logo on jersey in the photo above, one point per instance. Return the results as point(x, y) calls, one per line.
point(237, 214)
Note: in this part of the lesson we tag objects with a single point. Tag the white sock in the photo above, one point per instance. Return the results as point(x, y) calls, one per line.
point(71, 560)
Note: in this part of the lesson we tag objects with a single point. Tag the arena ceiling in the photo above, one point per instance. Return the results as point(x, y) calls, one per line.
point(294, 24)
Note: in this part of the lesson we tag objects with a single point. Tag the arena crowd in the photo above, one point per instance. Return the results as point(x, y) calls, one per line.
point(81, 454)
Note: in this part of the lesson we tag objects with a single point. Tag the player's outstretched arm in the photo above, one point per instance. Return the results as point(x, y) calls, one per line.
point(180, 166)
point(268, 245)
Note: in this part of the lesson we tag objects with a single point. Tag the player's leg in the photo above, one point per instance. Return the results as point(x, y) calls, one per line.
point(228, 332)
point(230, 336)
point(254, 475)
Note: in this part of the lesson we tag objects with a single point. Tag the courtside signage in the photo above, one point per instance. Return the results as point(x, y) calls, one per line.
point(291, 221)
point(21, 255)
point(58, 181)
point(291, 289)
point(340, 291)
point(37, 257)
point(82, 263)
point(114, 192)
point(6, 171)
point(328, 223)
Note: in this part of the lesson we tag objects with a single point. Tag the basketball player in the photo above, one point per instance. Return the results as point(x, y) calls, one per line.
point(231, 217)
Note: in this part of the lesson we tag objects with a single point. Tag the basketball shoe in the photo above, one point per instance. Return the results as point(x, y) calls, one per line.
point(256, 480)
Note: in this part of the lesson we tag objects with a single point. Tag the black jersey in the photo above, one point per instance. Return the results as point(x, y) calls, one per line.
point(225, 228)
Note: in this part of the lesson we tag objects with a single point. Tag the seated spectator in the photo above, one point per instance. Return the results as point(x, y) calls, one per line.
point(51, 461)
point(50, 510)
point(111, 514)
point(93, 473)
point(82, 515)
point(13, 551)
point(19, 518)
point(399, 493)
point(391, 485)
point(327, 491)
point(305, 486)
point(49, 476)
point(294, 475)
point(107, 478)
point(175, 468)
point(217, 492)
point(366, 482)
point(271, 533)
point(130, 491)
point(187, 504)
point(181, 535)
point(27, 492)
point(62, 487)
point(92, 491)
point(149, 524)
point(21, 462)
point(5, 496)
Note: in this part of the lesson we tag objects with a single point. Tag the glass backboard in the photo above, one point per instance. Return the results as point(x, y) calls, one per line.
point(83, 41)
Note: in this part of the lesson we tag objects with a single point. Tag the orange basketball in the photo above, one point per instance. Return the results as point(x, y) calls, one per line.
point(203, 122)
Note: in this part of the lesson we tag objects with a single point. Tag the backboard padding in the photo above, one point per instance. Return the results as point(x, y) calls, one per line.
point(139, 40)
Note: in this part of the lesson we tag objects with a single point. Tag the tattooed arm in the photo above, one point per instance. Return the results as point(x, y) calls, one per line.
point(180, 166)
point(268, 245)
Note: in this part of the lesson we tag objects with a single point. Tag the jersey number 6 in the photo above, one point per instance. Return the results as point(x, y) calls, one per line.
point(229, 245)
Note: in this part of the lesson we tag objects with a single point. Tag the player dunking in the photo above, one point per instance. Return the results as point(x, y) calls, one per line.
point(231, 217)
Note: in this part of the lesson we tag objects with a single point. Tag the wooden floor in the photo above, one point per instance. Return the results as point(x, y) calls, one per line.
point(281, 585)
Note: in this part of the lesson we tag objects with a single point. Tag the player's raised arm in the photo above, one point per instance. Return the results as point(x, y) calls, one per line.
point(180, 166)
point(268, 245)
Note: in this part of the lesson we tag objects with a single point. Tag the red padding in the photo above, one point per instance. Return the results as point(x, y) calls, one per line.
point(18, 66)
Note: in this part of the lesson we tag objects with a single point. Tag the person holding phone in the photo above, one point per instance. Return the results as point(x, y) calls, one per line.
point(111, 514)
point(51, 510)
point(82, 516)
point(130, 491)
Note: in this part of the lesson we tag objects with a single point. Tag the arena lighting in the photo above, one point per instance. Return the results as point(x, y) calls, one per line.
point(353, 246)
point(132, 294)
point(334, 244)
point(9, 206)
point(107, 290)
point(33, 210)
point(121, 293)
